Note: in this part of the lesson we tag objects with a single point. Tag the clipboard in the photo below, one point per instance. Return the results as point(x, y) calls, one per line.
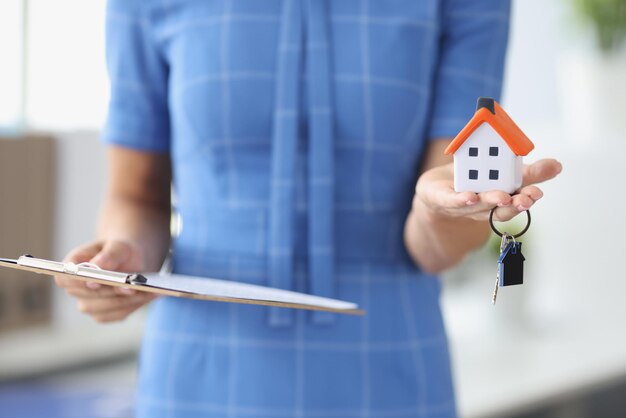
point(178, 285)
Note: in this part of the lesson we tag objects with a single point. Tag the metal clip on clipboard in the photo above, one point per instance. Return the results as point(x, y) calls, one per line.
point(83, 269)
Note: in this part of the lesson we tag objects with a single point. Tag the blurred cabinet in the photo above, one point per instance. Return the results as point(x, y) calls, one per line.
point(27, 176)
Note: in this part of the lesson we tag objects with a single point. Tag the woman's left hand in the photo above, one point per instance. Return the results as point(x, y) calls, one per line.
point(435, 189)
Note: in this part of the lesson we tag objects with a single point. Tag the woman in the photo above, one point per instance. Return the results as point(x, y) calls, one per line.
point(294, 131)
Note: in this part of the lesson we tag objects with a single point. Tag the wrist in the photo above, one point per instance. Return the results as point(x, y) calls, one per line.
point(436, 240)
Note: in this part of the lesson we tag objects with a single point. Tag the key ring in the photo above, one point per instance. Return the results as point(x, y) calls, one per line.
point(494, 229)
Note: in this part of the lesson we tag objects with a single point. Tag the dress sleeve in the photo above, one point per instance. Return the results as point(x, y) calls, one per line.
point(138, 115)
point(471, 61)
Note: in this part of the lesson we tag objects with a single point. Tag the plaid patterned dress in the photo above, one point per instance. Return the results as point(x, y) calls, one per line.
point(296, 130)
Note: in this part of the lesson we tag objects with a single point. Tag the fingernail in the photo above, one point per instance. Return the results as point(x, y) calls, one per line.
point(504, 204)
point(92, 285)
point(470, 202)
point(127, 291)
point(521, 208)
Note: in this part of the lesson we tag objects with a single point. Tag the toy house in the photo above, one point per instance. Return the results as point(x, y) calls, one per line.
point(488, 151)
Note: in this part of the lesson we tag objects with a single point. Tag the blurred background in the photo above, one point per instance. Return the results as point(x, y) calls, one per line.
point(555, 347)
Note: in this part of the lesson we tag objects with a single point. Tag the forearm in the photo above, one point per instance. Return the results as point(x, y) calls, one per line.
point(137, 204)
point(436, 241)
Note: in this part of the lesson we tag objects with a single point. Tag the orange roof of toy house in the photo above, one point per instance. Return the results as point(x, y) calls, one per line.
point(490, 111)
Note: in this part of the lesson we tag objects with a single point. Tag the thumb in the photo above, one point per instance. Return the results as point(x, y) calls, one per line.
point(83, 253)
point(541, 171)
point(112, 256)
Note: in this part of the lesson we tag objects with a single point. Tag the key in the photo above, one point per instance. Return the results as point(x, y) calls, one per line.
point(506, 240)
point(511, 260)
point(495, 289)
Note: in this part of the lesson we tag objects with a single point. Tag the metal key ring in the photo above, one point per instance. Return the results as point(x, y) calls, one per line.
point(494, 229)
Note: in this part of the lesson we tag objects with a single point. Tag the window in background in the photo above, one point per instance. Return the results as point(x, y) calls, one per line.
point(11, 64)
point(67, 83)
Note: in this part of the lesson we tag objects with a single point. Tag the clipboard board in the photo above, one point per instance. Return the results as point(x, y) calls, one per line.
point(178, 285)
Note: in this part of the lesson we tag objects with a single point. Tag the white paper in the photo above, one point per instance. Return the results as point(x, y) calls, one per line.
point(231, 289)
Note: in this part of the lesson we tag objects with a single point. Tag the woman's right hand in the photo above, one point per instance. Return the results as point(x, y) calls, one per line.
point(101, 302)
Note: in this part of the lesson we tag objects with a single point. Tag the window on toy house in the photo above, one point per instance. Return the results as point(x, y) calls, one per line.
point(473, 174)
point(493, 151)
point(494, 174)
point(473, 152)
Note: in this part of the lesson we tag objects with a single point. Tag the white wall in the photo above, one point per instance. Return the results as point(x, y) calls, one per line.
point(539, 32)
point(79, 184)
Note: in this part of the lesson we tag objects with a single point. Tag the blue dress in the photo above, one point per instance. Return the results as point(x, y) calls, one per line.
point(296, 130)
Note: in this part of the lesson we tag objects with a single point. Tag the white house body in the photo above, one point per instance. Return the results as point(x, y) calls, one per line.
point(485, 162)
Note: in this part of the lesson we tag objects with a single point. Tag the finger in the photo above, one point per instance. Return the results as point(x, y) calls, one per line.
point(104, 305)
point(102, 291)
point(486, 202)
point(541, 170)
point(66, 283)
point(83, 253)
point(124, 291)
point(491, 199)
point(115, 316)
point(120, 314)
point(435, 189)
point(78, 288)
point(86, 293)
point(526, 197)
point(112, 255)
point(505, 214)
point(78, 255)
point(93, 285)
point(74, 284)
point(520, 203)
point(533, 192)
point(69, 283)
